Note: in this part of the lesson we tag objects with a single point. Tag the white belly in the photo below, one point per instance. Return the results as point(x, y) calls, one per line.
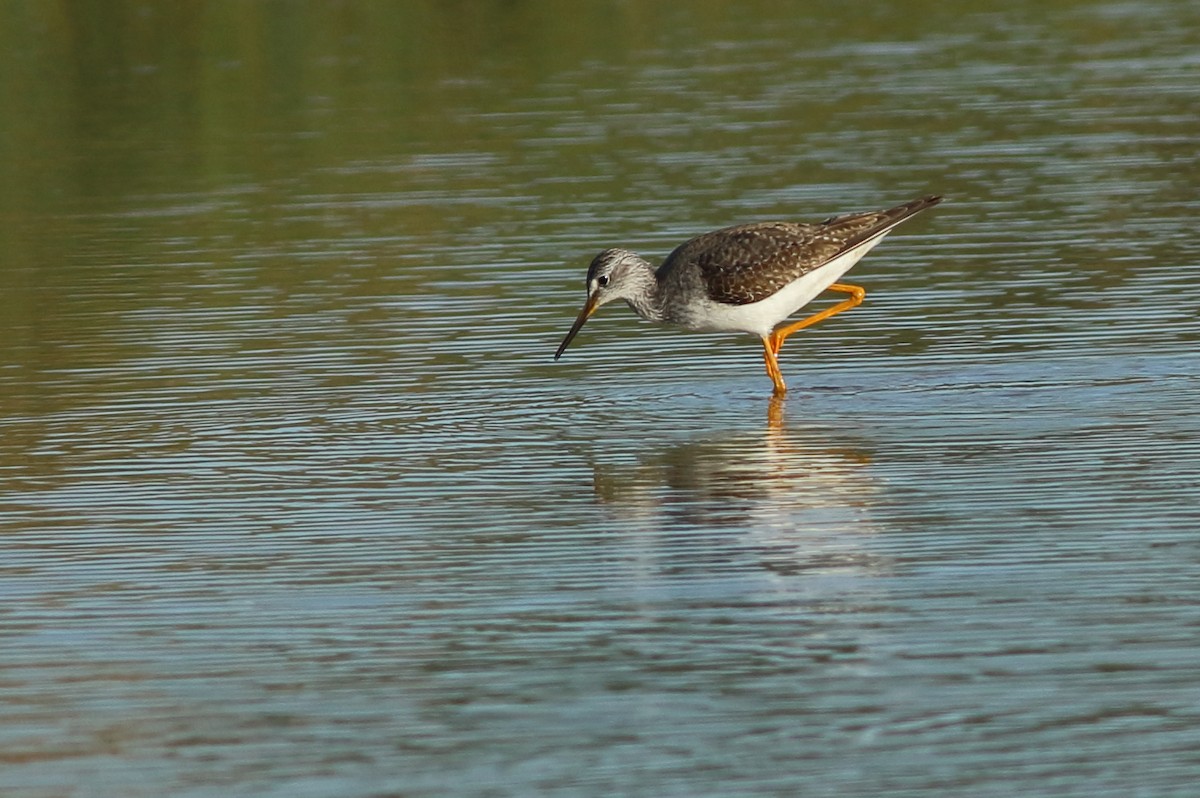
point(761, 317)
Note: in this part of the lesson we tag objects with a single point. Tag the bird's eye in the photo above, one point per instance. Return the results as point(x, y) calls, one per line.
point(602, 280)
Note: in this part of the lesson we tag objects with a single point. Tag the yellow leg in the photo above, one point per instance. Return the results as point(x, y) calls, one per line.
point(775, 414)
point(773, 367)
point(780, 333)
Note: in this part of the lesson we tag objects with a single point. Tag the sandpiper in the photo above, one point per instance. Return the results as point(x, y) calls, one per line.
point(747, 278)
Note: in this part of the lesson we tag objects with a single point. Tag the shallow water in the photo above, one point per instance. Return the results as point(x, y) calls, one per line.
point(296, 502)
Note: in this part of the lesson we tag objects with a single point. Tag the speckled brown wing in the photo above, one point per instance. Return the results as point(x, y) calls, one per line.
point(744, 264)
point(750, 262)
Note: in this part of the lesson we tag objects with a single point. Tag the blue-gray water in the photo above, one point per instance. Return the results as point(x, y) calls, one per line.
point(295, 502)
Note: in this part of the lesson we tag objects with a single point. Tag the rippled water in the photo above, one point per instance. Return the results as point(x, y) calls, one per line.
point(295, 501)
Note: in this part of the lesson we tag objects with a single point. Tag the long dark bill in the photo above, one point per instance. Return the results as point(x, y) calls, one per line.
point(589, 308)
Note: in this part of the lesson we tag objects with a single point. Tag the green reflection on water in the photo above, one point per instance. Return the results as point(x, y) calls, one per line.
point(150, 151)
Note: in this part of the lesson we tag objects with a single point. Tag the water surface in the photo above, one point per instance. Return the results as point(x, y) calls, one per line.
point(295, 501)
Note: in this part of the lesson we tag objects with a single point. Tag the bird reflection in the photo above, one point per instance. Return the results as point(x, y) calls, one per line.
point(794, 497)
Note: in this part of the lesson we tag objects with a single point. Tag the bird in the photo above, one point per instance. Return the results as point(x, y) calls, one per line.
point(747, 278)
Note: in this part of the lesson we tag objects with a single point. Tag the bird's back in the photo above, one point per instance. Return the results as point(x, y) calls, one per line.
point(750, 262)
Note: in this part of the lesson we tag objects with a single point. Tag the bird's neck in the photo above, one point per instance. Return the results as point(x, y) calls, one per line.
point(647, 300)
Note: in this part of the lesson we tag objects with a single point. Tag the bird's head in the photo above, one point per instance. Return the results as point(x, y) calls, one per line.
point(613, 274)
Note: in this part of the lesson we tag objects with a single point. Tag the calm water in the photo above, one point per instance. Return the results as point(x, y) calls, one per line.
point(294, 501)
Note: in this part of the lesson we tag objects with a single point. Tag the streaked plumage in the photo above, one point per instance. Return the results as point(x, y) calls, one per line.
point(746, 278)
